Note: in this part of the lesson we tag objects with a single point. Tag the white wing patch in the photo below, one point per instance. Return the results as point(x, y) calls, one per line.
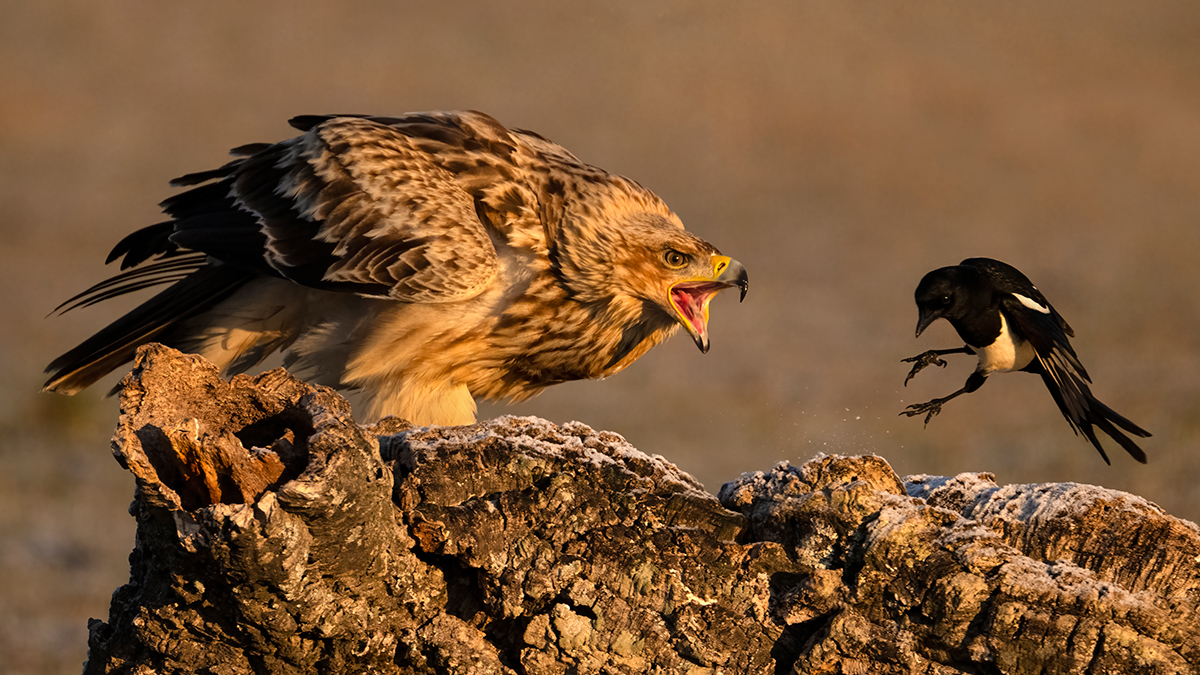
point(1031, 303)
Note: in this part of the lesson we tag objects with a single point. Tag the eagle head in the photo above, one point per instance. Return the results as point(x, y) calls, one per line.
point(692, 277)
point(649, 262)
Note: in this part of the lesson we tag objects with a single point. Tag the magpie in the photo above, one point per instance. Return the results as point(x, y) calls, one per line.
point(1007, 322)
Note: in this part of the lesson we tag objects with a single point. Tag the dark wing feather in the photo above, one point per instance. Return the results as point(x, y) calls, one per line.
point(384, 206)
point(375, 206)
point(152, 320)
point(166, 270)
point(171, 264)
point(1009, 279)
point(144, 244)
point(1067, 379)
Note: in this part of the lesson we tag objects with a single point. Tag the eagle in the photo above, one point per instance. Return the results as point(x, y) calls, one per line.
point(425, 260)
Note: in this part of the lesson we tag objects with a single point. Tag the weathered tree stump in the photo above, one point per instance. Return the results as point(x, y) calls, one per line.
point(276, 535)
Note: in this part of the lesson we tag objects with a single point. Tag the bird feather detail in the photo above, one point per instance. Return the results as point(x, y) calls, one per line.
point(426, 260)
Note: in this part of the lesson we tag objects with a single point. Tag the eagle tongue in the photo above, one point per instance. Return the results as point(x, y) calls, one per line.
point(690, 301)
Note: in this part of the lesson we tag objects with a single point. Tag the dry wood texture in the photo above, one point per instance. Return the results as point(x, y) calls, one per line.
point(275, 535)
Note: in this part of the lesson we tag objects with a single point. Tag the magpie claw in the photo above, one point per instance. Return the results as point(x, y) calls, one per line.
point(929, 409)
point(921, 361)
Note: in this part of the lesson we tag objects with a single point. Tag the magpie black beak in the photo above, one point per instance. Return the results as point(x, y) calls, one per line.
point(927, 317)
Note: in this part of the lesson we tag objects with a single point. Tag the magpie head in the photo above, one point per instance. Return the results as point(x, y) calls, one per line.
point(942, 294)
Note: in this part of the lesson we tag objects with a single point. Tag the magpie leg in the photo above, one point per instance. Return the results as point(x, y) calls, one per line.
point(931, 408)
point(931, 357)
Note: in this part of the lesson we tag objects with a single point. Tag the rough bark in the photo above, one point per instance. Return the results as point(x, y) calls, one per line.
point(276, 535)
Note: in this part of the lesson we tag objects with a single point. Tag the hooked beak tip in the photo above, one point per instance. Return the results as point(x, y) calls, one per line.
point(734, 274)
point(923, 323)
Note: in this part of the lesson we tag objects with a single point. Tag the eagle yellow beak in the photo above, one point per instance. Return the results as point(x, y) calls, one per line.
point(690, 297)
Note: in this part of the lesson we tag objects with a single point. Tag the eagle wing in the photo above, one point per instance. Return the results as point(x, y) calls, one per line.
point(380, 207)
point(515, 265)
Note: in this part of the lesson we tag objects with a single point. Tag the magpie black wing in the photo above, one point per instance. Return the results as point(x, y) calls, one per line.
point(1056, 359)
point(1064, 375)
point(1008, 280)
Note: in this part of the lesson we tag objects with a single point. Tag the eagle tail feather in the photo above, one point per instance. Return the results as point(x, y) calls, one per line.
point(151, 321)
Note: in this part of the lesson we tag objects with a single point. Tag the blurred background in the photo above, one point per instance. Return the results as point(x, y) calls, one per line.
point(839, 150)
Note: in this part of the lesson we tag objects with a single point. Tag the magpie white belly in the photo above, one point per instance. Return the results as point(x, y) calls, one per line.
point(1008, 352)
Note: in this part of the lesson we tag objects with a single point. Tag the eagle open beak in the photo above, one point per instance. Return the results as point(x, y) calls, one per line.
point(690, 298)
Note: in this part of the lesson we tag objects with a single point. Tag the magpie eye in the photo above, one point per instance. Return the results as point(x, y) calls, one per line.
point(945, 300)
point(675, 259)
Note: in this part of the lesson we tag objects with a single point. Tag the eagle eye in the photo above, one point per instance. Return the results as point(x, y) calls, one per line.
point(674, 259)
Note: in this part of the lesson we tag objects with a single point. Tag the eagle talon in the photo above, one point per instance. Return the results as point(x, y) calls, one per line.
point(929, 409)
point(921, 361)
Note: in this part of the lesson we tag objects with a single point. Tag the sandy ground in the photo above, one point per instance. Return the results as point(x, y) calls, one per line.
point(839, 150)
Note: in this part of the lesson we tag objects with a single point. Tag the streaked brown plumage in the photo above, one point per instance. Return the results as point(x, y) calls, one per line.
point(427, 260)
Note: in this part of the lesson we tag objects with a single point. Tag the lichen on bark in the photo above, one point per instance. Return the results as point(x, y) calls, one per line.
point(276, 535)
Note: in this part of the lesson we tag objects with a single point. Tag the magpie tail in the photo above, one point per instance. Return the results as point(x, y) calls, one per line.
point(1069, 388)
point(1107, 420)
point(152, 321)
